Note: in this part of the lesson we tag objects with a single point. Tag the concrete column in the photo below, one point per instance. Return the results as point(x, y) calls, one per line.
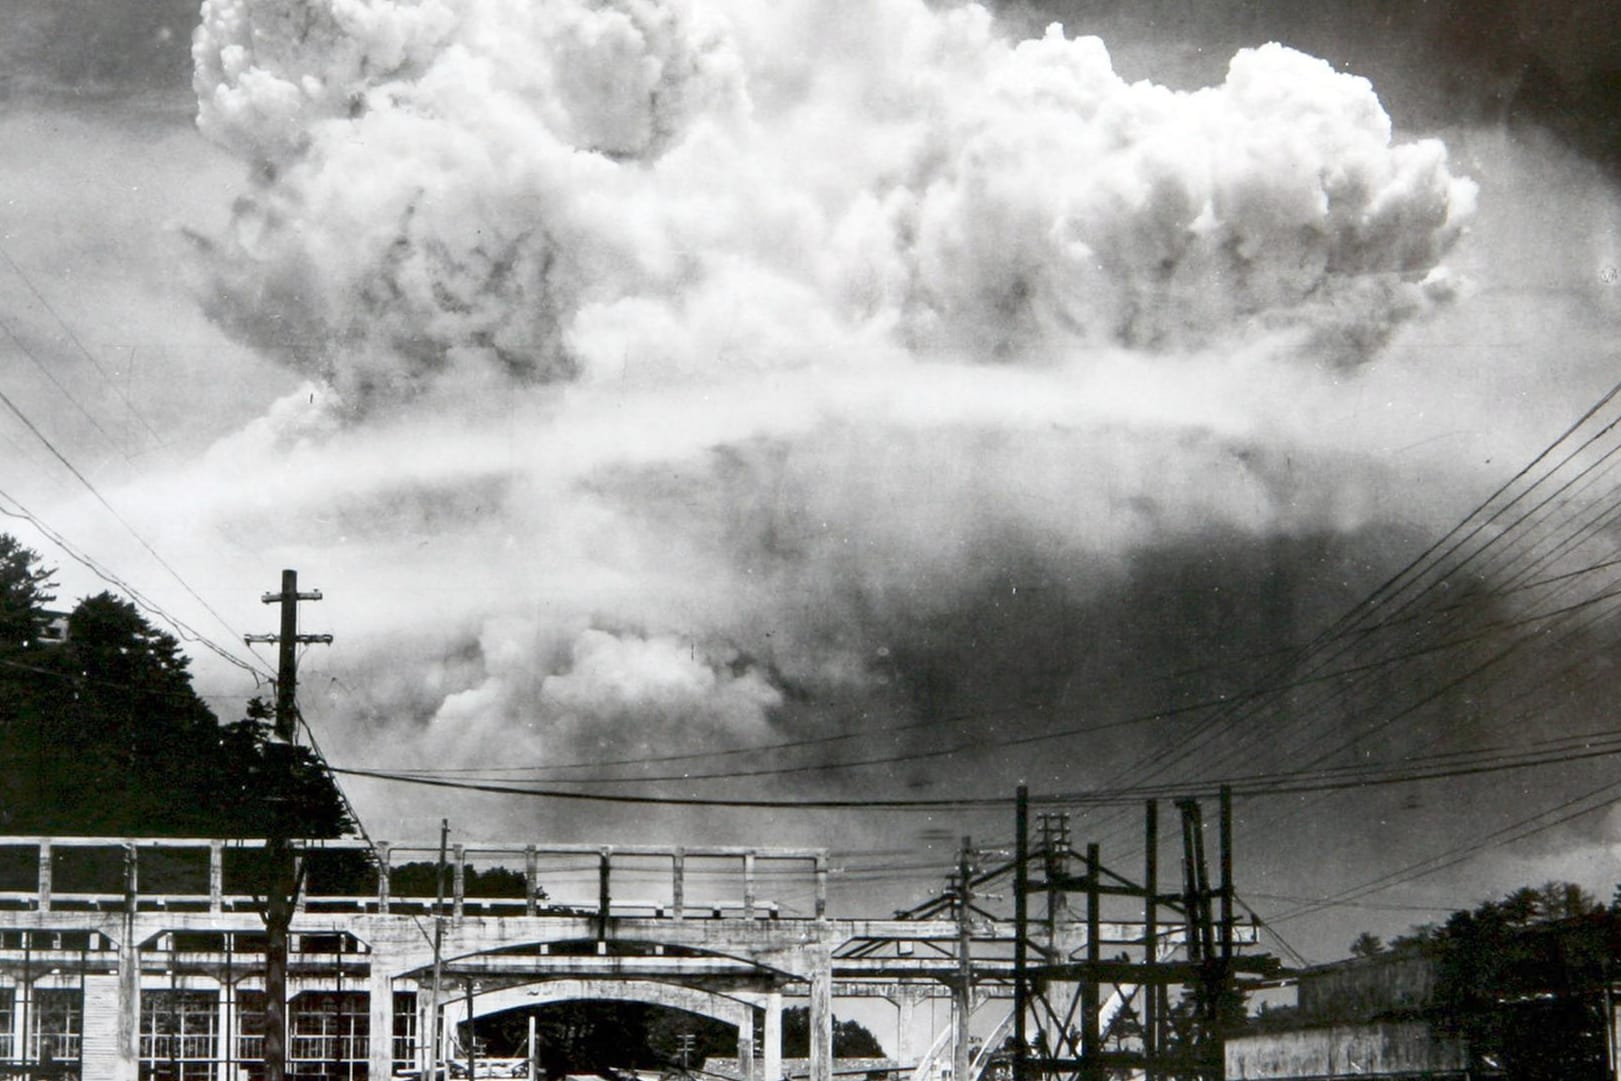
point(1612, 1026)
point(224, 1026)
point(772, 1067)
point(906, 1049)
point(125, 1060)
point(745, 1048)
point(962, 1013)
point(531, 880)
point(45, 876)
point(127, 1053)
point(380, 1033)
point(459, 880)
point(216, 876)
point(385, 877)
point(821, 1016)
point(424, 1046)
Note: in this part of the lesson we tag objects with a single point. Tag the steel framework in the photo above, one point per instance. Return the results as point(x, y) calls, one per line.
point(1065, 1026)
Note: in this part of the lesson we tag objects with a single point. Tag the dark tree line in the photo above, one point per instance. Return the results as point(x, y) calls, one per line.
point(1522, 979)
point(851, 1039)
point(102, 733)
point(604, 1037)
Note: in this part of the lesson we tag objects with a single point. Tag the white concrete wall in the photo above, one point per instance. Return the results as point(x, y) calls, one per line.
point(1367, 1050)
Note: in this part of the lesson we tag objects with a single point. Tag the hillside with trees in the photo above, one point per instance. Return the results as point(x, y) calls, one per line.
point(1524, 979)
point(103, 734)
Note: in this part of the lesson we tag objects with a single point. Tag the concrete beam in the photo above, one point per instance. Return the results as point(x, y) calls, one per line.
point(723, 1008)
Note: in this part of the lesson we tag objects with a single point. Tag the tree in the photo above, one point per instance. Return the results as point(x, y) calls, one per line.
point(24, 593)
point(1566, 900)
point(665, 1028)
point(25, 590)
point(130, 747)
point(1367, 945)
point(1419, 938)
point(104, 735)
point(420, 878)
point(1522, 978)
point(265, 787)
point(587, 1036)
point(1521, 908)
point(851, 1039)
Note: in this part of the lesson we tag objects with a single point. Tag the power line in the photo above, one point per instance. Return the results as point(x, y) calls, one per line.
point(1255, 785)
point(1388, 906)
point(57, 383)
point(981, 743)
point(142, 541)
point(79, 677)
point(1439, 692)
point(1346, 631)
point(1574, 741)
point(183, 629)
point(1515, 831)
point(320, 756)
point(680, 801)
point(74, 338)
point(1323, 674)
point(1584, 531)
point(1300, 958)
point(760, 748)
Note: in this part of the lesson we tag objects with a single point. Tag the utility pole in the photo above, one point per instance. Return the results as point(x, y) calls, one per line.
point(1021, 924)
point(281, 891)
point(962, 1049)
point(472, 1036)
point(534, 1051)
point(438, 950)
point(287, 660)
point(687, 1043)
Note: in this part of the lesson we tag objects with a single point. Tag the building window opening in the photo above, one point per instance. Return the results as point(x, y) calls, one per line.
point(178, 1035)
point(53, 1038)
point(8, 1024)
point(405, 1031)
point(327, 1036)
point(250, 1035)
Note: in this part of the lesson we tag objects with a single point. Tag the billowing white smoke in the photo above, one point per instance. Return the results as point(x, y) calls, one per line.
point(723, 345)
point(566, 189)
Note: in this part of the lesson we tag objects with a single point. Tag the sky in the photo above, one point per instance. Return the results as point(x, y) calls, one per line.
point(643, 382)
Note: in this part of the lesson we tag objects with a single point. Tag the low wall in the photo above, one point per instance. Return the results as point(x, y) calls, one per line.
point(1363, 990)
point(1396, 1049)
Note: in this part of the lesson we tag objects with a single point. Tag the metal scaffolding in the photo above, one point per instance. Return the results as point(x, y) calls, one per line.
point(1101, 1003)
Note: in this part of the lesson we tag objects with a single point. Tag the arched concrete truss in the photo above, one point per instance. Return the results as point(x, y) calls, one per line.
point(374, 957)
point(781, 949)
point(735, 1010)
point(729, 1009)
